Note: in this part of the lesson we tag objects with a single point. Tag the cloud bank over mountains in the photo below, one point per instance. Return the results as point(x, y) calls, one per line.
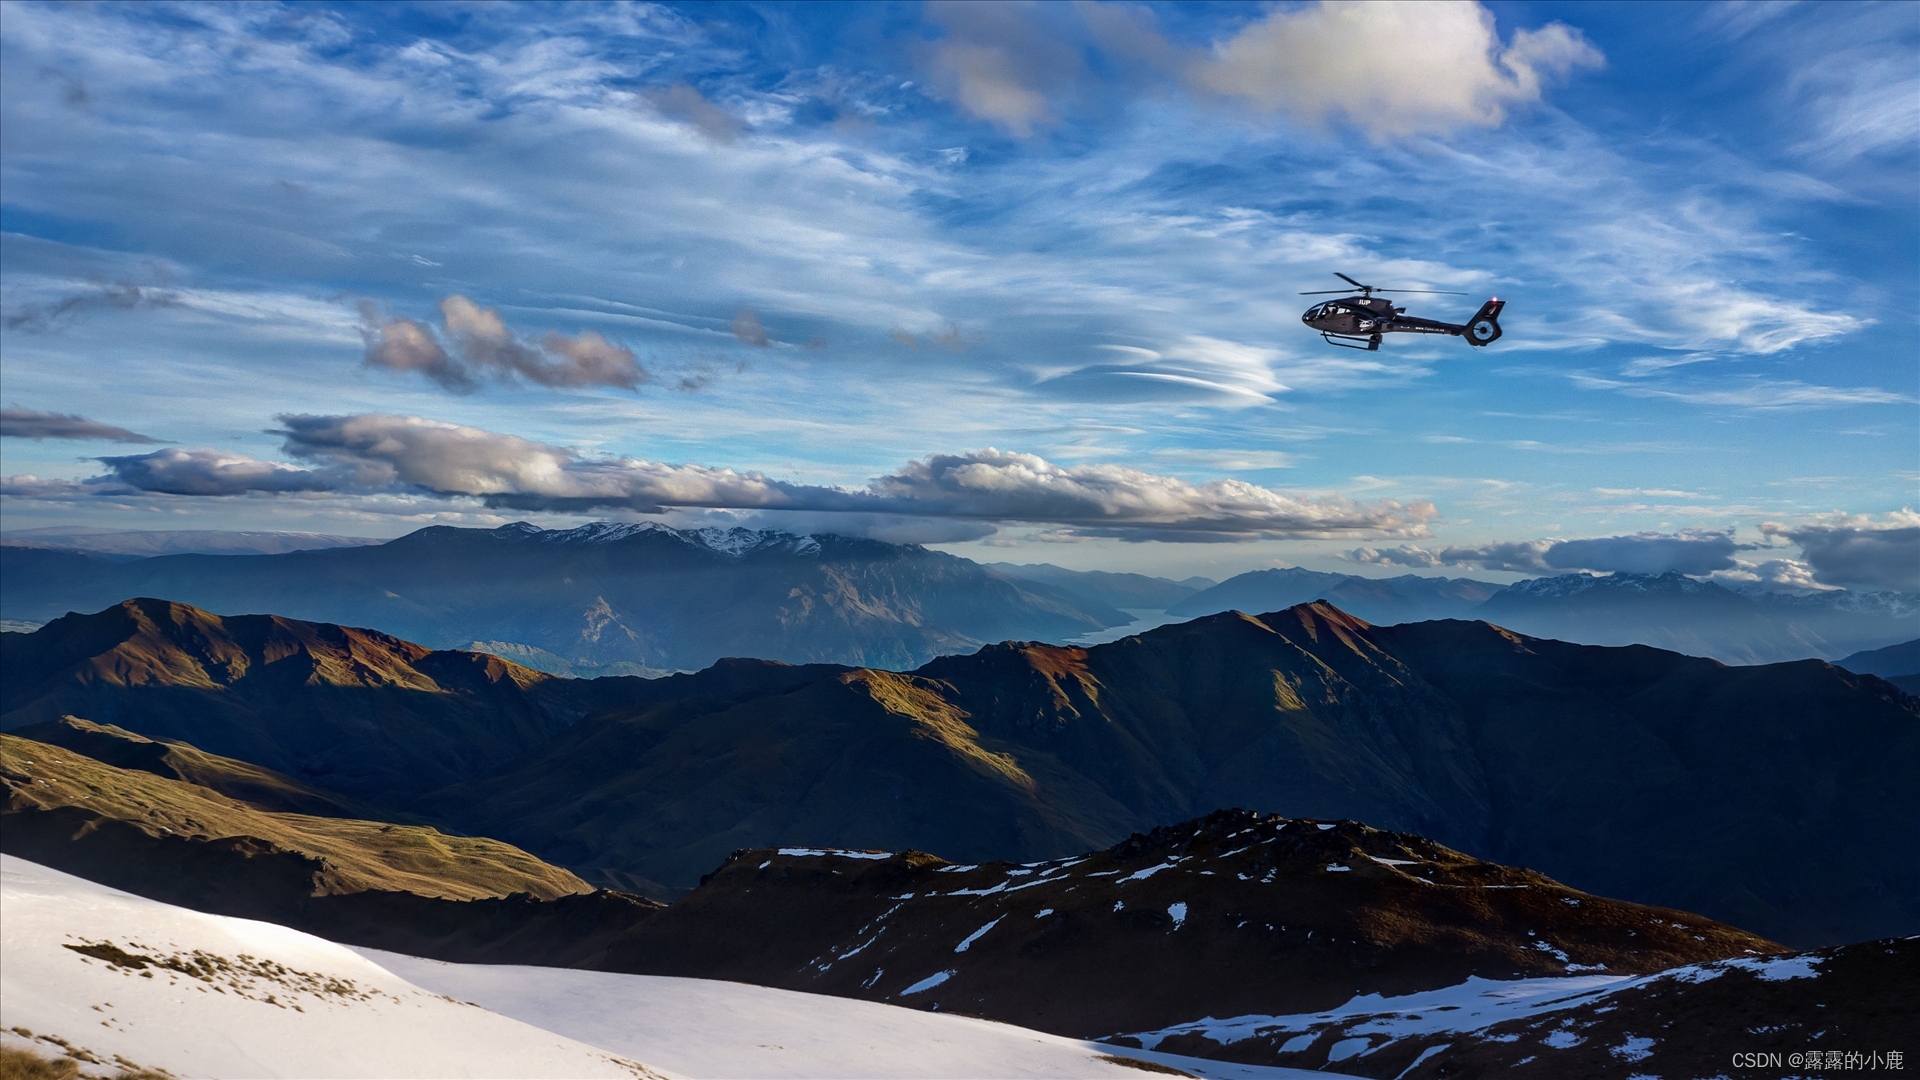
point(1854, 551)
point(376, 453)
point(1694, 552)
point(1841, 551)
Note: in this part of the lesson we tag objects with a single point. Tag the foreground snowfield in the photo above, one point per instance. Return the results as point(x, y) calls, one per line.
point(208, 996)
point(707, 1028)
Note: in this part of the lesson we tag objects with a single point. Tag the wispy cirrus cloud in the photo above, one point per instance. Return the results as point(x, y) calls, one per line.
point(18, 423)
point(100, 293)
point(1749, 393)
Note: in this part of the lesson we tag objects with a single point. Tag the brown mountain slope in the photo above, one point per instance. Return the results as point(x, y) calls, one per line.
point(348, 709)
point(52, 791)
point(375, 883)
point(1234, 913)
point(259, 788)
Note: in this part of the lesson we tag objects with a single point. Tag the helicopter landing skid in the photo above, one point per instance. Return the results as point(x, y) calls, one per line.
point(1342, 340)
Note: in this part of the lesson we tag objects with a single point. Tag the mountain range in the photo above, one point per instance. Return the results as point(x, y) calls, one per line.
point(1898, 664)
point(1407, 598)
point(1704, 618)
point(1669, 611)
point(622, 599)
point(1630, 772)
point(644, 597)
point(127, 544)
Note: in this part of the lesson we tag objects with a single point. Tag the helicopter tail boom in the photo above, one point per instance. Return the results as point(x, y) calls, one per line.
point(1484, 327)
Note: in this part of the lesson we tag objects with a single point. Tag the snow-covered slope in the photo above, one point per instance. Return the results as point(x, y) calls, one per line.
point(129, 980)
point(709, 1028)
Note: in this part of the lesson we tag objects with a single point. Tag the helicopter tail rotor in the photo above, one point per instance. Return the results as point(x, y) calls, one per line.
point(1484, 327)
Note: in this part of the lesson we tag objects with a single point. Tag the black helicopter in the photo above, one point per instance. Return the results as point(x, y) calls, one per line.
point(1364, 318)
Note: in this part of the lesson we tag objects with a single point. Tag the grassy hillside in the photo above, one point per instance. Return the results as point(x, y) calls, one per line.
point(51, 790)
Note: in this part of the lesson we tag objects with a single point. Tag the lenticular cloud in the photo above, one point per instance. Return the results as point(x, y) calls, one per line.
point(370, 453)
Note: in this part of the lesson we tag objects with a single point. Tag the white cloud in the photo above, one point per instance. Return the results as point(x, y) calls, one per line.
point(483, 345)
point(1788, 574)
point(1392, 67)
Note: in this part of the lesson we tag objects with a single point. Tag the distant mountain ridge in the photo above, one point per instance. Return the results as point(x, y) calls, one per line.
point(1668, 611)
point(602, 594)
point(1120, 590)
point(1702, 618)
point(1407, 598)
point(144, 543)
point(645, 599)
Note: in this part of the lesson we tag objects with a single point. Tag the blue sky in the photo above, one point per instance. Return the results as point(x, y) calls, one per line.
point(1018, 279)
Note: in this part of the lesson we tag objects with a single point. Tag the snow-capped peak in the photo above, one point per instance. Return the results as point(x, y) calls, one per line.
point(733, 543)
point(599, 532)
point(736, 542)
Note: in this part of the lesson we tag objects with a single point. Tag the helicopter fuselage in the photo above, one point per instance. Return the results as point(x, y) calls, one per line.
point(1366, 318)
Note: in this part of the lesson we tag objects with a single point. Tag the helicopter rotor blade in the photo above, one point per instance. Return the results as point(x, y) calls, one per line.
point(1430, 292)
point(1328, 292)
point(1348, 280)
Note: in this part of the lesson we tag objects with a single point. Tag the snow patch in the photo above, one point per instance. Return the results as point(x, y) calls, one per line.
point(1563, 1040)
point(841, 852)
point(1347, 1048)
point(929, 982)
point(1179, 913)
point(975, 936)
point(1635, 1049)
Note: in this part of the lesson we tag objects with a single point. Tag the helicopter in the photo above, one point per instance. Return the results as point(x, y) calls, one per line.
point(1365, 318)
